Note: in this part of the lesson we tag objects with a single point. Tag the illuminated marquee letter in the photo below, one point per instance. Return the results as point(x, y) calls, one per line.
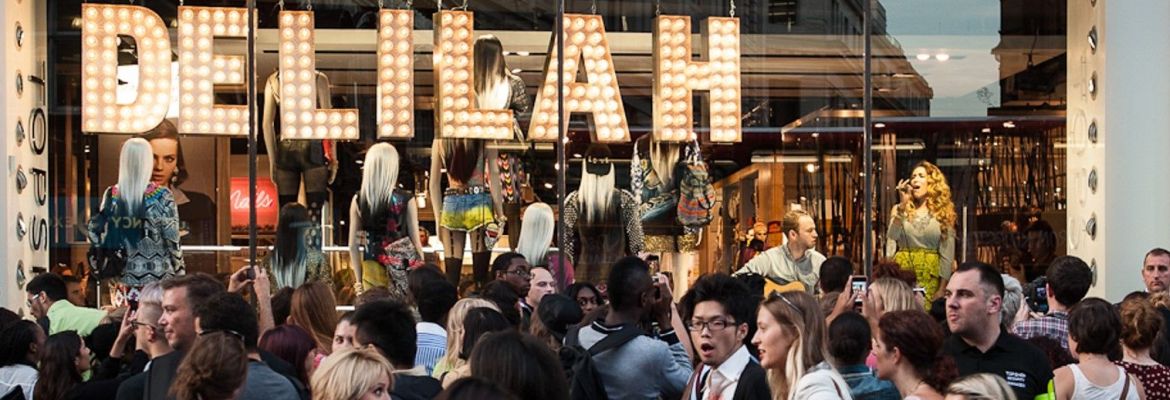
point(395, 74)
point(599, 96)
point(300, 117)
point(200, 69)
point(677, 76)
point(456, 109)
point(101, 26)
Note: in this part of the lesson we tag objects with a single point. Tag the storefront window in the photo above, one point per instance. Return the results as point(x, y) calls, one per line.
point(765, 99)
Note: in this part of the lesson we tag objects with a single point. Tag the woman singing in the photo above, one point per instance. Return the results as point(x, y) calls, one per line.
point(921, 234)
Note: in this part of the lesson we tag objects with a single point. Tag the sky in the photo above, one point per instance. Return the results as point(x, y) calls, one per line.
point(966, 30)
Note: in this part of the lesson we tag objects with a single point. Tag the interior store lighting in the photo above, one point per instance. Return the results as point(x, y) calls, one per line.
point(101, 112)
point(200, 69)
point(677, 76)
point(455, 107)
point(301, 119)
point(585, 43)
point(395, 74)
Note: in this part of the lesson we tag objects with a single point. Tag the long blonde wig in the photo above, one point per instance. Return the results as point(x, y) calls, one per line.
point(938, 198)
point(379, 177)
point(800, 316)
point(135, 164)
point(536, 233)
point(596, 194)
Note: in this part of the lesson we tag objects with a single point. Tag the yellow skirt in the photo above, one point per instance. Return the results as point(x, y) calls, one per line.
point(924, 264)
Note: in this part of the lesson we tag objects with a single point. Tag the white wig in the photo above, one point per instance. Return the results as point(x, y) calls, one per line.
point(536, 233)
point(135, 165)
point(379, 177)
point(596, 193)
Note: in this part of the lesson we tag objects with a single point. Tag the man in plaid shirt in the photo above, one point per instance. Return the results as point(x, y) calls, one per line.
point(1069, 279)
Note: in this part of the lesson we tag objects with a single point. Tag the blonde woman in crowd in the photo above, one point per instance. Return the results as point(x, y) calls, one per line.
point(980, 387)
point(455, 318)
point(791, 342)
point(354, 374)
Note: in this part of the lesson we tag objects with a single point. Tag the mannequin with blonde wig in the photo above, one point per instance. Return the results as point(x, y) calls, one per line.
point(921, 234)
point(601, 220)
point(792, 343)
point(535, 241)
point(151, 238)
point(352, 374)
point(383, 219)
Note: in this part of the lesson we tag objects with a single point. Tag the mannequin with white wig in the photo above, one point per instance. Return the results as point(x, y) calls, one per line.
point(139, 217)
point(536, 241)
point(601, 221)
point(383, 230)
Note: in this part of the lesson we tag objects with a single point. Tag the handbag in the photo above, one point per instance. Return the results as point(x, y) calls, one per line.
point(696, 193)
point(107, 258)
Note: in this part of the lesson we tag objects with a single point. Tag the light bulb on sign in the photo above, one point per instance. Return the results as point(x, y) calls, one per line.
point(678, 75)
point(454, 41)
point(598, 95)
point(299, 77)
point(395, 74)
point(102, 23)
point(199, 69)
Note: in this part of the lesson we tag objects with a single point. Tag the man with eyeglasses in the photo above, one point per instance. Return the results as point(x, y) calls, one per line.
point(720, 308)
point(513, 269)
point(48, 298)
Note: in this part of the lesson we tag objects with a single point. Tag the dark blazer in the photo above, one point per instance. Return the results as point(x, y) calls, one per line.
point(160, 375)
point(753, 384)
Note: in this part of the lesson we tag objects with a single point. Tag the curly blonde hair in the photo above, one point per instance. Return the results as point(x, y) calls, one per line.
point(938, 198)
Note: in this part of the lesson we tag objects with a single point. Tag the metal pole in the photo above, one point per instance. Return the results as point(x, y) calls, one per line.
point(562, 169)
point(867, 146)
point(251, 70)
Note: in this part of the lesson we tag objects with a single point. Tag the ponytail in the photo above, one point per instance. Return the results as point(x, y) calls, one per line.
point(941, 372)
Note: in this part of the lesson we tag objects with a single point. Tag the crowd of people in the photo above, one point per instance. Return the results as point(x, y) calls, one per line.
point(521, 337)
point(790, 324)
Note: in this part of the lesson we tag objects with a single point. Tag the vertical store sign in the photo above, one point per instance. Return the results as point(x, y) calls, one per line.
point(200, 69)
point(678, 76)
point(24, 218)
point(103, 28)
point(395, 74)
point(456, 110)
point(300, 117)
point(598, 96)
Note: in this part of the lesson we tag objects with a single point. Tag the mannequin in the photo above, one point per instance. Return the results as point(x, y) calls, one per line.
point(295, 161)
point(384, 220)
point(654, 179)
point(601, 221)
point(498, 89)
point(467, 207)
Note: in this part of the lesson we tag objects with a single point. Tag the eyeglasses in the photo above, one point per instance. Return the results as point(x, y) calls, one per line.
point(34, 299)
point(520, 273)
point(137, 325)
point(714, 325)
point(237, 335)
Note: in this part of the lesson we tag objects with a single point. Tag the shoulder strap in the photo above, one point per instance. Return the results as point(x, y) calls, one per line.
point(1125, 386)
point(615, 340)
point(572, 336)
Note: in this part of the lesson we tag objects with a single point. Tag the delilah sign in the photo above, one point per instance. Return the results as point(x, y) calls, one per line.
point(676, 77)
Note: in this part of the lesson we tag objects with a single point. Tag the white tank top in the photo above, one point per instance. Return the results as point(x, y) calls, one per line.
point(1083, 389)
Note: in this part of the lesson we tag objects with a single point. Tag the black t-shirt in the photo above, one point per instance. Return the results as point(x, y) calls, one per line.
point(1023, 365)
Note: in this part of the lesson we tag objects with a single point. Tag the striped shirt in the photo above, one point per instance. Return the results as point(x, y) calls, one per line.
point(432, 345)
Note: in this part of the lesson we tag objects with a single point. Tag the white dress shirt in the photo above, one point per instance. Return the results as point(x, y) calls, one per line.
point(726, 375)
